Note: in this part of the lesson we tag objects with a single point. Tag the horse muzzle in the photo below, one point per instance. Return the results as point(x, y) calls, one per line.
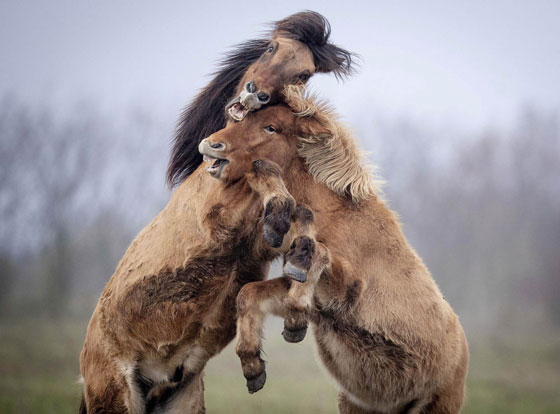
point(211, 155)
point(250, 99)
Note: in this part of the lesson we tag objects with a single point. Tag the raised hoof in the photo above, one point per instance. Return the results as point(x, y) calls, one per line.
point(256, 384)
point(294, 272)
point(294, 336)
point(277, 220)
point(273, 238)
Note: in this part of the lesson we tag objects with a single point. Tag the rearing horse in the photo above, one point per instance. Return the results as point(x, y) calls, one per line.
point(170, 305)
point(382, 327)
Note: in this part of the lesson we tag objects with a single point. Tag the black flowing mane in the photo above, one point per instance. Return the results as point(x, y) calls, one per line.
point(314, 30)
point(206, 113)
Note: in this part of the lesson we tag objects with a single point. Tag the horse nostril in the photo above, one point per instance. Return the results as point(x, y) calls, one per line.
point(218, 146)
point(263, 97)
point(251, 87)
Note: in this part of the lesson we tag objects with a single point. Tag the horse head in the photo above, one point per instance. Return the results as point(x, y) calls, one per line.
point(275, 133)
point(253, 75)
point(299, 47)
point(298, 128)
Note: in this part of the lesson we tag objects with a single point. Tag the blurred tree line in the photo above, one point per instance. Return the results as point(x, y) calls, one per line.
point(74, 189)
point(484, 213)
point(482, 210)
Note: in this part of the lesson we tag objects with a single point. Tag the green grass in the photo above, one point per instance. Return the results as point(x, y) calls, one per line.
point(514, 379)
point(295, 382)
point(39, 368)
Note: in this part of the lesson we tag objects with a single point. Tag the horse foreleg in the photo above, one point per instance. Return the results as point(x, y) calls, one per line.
point(304, 263)
point(265, 180)
point(254, 302)
point(283, 297)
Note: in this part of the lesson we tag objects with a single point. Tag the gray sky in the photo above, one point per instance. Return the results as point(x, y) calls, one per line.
point(469, 63)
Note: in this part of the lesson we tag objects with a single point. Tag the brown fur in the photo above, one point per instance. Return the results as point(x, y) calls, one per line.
point(171, 301)
point(382, 327)
point(170, 306)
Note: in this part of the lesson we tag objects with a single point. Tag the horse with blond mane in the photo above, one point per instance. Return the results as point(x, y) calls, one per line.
point(382, 327)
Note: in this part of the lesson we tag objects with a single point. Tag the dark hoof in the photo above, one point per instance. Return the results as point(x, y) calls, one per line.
point(277, 220)
point(294, 336)
point(256, 384)
point(273, 238)
point(294, 272)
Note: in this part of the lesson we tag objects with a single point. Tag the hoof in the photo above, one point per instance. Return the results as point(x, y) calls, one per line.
point(255, 384)
point(277, 220)
point(294, 272)
point(273, 238)
point(294, 336)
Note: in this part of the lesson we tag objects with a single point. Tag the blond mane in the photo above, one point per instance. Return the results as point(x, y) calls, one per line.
point(332, 158)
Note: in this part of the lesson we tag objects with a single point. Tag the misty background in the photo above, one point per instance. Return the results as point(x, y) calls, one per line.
point(457, 103)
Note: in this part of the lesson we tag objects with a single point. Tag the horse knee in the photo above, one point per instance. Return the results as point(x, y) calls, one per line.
point(245, 298)
point(295, 326)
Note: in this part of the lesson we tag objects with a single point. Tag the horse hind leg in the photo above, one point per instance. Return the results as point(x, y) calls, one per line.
point(346, 406)
point(442, 404)
point(184, 397)
point(449, 398)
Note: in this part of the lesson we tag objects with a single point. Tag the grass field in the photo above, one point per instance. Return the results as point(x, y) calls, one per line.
point(39, 368)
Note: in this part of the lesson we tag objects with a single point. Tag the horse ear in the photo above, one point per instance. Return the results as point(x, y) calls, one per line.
point(206, 113)
point(313, 117)
point(314, 128)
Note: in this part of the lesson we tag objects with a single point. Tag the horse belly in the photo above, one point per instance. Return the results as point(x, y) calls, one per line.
point(360, 375)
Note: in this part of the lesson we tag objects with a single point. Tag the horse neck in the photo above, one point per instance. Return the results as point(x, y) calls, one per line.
point(305, 189)
point(200, 192)
point(334, 212)
point(196, 192)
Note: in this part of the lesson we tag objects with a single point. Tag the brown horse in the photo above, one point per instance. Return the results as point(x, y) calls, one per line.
point(170, 304)
point(252, 75)
point(382, 327)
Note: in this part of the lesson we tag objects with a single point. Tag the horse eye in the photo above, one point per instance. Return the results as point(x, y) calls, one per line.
point(270, 129)
point(304, 77)
point(270, 49)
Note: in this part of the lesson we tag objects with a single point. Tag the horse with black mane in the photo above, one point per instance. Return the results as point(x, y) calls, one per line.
point(170, 305)
point(252, 75)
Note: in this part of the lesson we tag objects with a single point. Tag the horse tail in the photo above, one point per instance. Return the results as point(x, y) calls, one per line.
point(83, 408)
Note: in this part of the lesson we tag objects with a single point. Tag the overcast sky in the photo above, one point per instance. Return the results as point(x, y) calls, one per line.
point(469, 63)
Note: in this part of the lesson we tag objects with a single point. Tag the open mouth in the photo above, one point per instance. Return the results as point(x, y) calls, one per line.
point(217, 165)
point(237, 111)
